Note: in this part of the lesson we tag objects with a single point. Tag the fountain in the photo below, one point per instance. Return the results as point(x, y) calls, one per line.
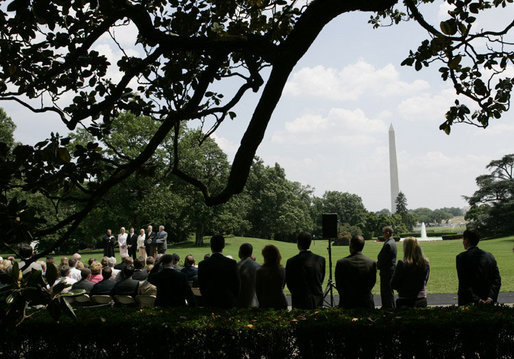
point(423, 235)
point(423, 232)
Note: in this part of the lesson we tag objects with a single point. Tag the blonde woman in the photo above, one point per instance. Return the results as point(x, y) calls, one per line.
point(122, 242)
point(141, 243)
point(411, 276)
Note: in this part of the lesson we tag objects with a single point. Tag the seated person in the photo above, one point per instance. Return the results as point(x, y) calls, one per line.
point(172, 287)
point(127, 286)
point(84, 282)
point(26, 252)
point(105, 286)
point(65, 278)
point(190, 270)
point(96, 272)
point(139, 269)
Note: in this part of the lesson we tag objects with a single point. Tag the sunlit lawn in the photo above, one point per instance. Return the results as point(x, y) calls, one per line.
point(443, 277)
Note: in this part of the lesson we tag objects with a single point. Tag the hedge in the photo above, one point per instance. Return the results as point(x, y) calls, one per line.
point(485, 332)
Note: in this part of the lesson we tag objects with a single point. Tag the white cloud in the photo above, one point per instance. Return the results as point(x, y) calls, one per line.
point(341, 126)
point(228, 147)
point(350, 82)
point(426, 106)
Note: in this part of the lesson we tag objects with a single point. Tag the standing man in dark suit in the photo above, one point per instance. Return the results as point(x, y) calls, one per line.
point(386, 264)
point(150, 242)
point(479, 277)
point(161, 240)
point(172, 287)
point(109, 242)
point(355, 277)
point(304, 275)
point(132, 243)
point(218, 277)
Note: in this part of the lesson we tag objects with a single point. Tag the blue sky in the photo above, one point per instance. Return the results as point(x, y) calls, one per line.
point(330, 129)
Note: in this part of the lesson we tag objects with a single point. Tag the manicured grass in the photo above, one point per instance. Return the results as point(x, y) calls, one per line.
point(443, 277)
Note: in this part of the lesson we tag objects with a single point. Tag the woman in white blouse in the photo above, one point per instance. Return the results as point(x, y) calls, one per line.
point(141, 243)
point(122, 242)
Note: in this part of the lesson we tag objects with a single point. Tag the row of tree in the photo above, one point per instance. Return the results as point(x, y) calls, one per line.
point(271, 206)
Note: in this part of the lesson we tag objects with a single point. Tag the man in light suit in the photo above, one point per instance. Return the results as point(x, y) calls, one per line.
point(304, 275)
point(479, 277)
point(355, 277)
point(218, 277)
point(386, 264)
point(161, 240)
point(247, 268)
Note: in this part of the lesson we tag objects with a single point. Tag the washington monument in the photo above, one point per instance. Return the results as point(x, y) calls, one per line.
point(393, 169)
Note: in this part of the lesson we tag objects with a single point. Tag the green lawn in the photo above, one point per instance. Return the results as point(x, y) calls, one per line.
point(443, 277)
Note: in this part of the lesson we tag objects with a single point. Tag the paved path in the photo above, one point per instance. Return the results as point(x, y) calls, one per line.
point(434, 299)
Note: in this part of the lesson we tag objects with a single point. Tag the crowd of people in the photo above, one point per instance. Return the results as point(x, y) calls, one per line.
point(147, 269)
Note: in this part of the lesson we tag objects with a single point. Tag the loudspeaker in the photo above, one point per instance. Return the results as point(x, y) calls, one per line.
point(329, 225)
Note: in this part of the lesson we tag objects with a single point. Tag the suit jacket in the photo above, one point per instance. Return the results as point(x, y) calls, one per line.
point(219, 281)
point(355, 277)
point(191, 274)
point(103, 287)
point(304, 277)
point(83, 284)
point(126, 286)
point(247, 269)
point(172, 288)
point(149, 241)
point(140, 274)
point(161, 240)
point(387, 257)
point(479, 277)
point(132, 241)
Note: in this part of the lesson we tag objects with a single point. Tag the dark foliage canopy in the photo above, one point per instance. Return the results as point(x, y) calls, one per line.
point(186, 49)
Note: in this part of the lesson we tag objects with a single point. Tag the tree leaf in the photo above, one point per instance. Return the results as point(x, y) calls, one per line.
point(448, 27)
point(73, 293)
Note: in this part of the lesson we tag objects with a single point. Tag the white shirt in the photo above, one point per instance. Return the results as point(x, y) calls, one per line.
point(67, 280)
point(75, 274)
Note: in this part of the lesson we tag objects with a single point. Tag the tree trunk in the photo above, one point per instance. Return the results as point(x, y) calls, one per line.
point(199, 236)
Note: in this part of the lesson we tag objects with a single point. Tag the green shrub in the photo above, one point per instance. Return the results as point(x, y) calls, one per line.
point(452, 236)
point(326, 333)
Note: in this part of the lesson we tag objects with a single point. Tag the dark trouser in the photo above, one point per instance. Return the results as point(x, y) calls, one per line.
point(150, 250)
point(386, 292)
point(411, 302)
point(132, 251)
point(161, 248)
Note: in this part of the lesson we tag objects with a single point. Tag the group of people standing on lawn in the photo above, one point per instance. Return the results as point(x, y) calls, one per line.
point(134, 245)
point(478, 274)
point(225, 283)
